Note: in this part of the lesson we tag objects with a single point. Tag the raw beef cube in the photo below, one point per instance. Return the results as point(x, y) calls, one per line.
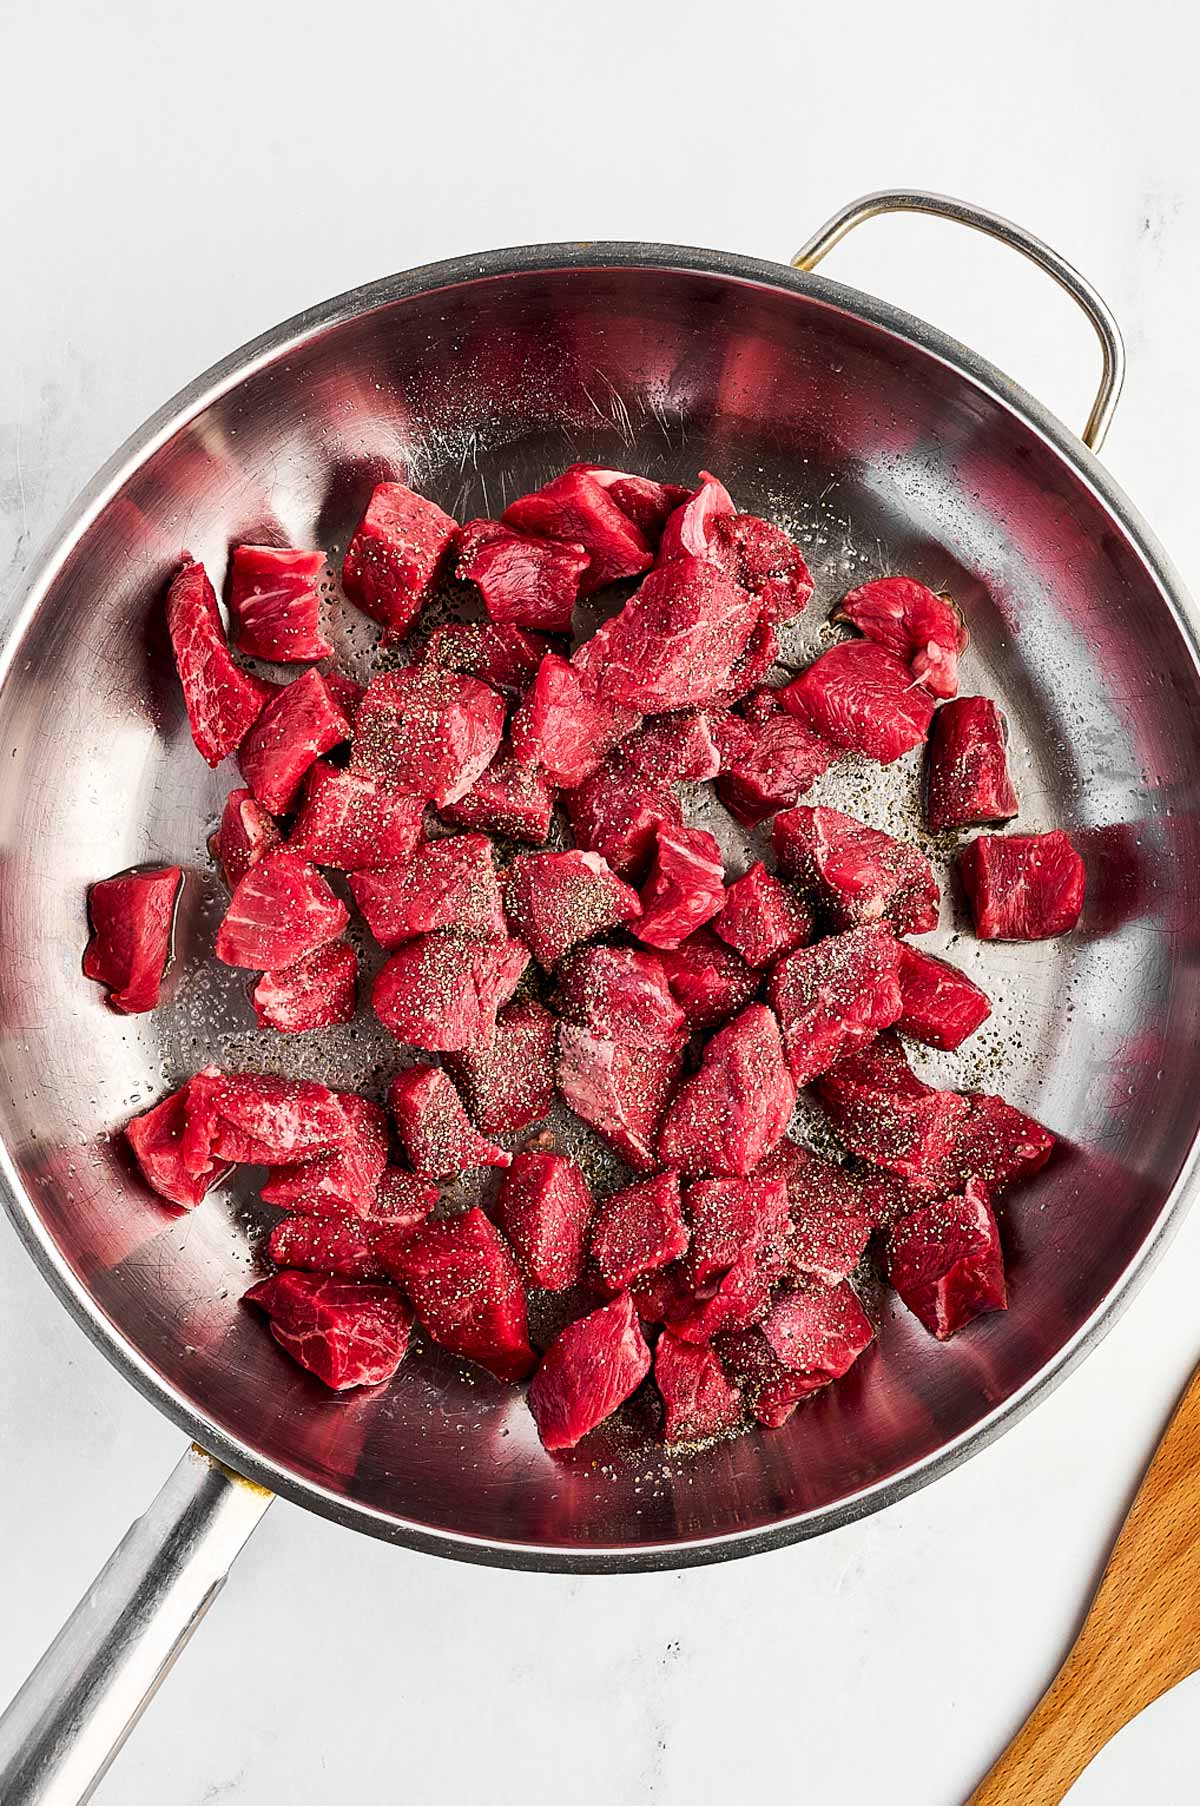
point(258, 1119)
point(939, 1004)
point(698, 1398)
point(131, 921)
point(430, 732)
point(556, 900)
point(319, 991)
point(510, 1083)
point(280, 911)
point(645, 501)
point(509, 799)
point(448, 883)
point(946, 1261)
point(731, 1218)
point(434, 1129)
point(857, 874)
point(707, 980)
point(324, 1245)
point(926, 631)
point(672, 749)
point(818, 1331)
point(301, 722)
point(619, 991)
point(346, 693)
point(685, 889)
point(996, 1144)
point(156, 1138)
point(565, 726)
point(736, 735)
point(590, 1369)
point(347, 1334)
point(612, 814)
point(396, 555)
point(222, 701)
point(675, 643)
point(619, 1087)
point(544, 1209)
point(730, 1115)
point(637, 1231)
point(578, 511)
point(887, 1197)
point(762, 918)
point(751, 666)
point(688, 531)
point(402, 1201)
point(526, 581)
point(466, 1289)
point(967, 781)
point(784, 759)
point(505, 657)
point(664, 1295)
point(834, 997)
point(831, 1219)
point(343, 1181)
point(862, 697)
point(246, 834)
point(347, 819)
point(742, 1296)
point(1022, 887)
point(887, 1115)
point(766, 563)
point(442, 991)
point(274, 606)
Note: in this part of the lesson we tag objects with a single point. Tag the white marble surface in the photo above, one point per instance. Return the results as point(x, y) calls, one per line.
point(186, 177)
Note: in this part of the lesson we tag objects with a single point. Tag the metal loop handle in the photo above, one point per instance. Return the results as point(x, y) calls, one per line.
point(941, 206)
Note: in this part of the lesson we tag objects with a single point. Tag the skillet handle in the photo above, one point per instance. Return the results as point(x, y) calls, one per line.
point(1112, 346)
point(68, 1721)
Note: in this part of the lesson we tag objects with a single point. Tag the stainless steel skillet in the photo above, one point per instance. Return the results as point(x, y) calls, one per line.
point(885, 445)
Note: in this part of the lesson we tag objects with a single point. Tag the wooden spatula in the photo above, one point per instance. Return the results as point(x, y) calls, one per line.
point(1140, 1637)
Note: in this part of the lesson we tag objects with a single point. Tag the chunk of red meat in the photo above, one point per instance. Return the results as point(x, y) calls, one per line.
point(465, 1286)
point(346, 1333)
point(858, 874)
point(324, 1245)
point(156, 1137)
point(818, 1331)
point(672, 749)
point(735, 734)
point(685, 888)
point(319, 991)
point(346, 693)
point(545, 1208)
point(619, 991)
point(946, 1261)
point(731, 1113)
point(347, 820)
point(396, 555)
point(646, 501)
point(447, 883)
point(996, 1143)
point(761, 918)
point(638, 1230)
point(526, 581)
point(344, 1181)
point(751, 666)
point(1022, 887)
point(675, 643)
point(887, 1115)
point(731, 1218)
point(259, 1119)
point(939, 1004)
point(688, 531)
point(925, 630)
point(862, 697)
point(967, 778)
point(301, 722)
point(441, 991)
point(280, 911)
point(430, 732)
point(707, 980)
point(274, 605)
point(834, 997)
point(619, 1087)
point(131, 921)
point(509, 799)
point(612, 814)
point(590, 1369)
point(698, 1398)
point(556, 900)
point(742, 1296)
point(222, 701)
point(664, 1295)
point(766, 563)
point(434, 1129)
point(402, 1201)
point(510, 1083)
point(783, 760)
point(505, 657)
point(887, 1197)
point(831, 1218)
point(565, 726)
point(578, 511)
point(246, 834)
